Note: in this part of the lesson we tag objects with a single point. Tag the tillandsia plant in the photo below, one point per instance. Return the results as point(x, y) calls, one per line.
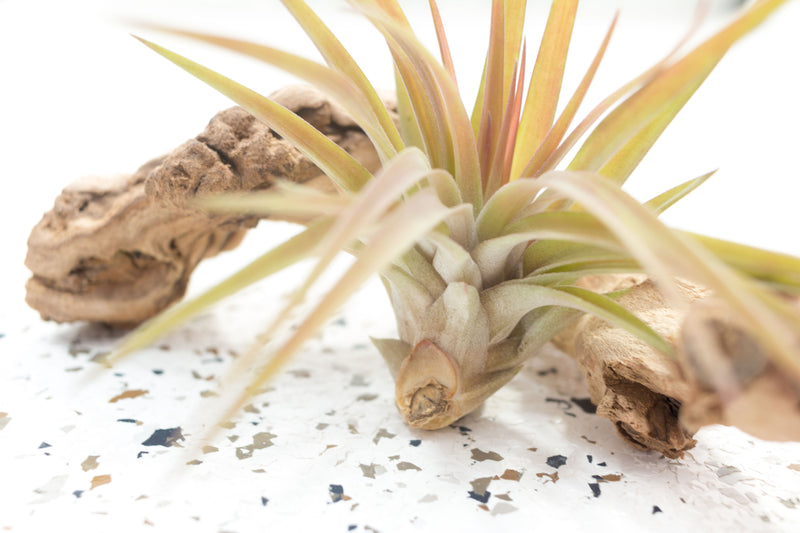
point(483, 234)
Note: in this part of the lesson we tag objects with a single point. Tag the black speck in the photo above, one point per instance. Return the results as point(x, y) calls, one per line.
point(351, 527)
point(483, 497)
point(556, 461)
point(79, 493)
point(563, 404)
point(551, 370)
point(264, 501)
point(589, 458)
point(595, 489)
point(157, 371)
point(415, 442)
point(340, 322)
point(119, 374)
point(336, 492)
point(602, 464)
point(141, 454)
point(585, 404)
point(127, 420)
point(464, 429)
point(2, 335)
point(44, 445)
point(164, 437)
point(657, 509)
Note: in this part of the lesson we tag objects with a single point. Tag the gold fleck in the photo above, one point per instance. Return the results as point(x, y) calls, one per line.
point(404, 465)
point(210, 449)
point(194, 462)
point(128, 394)
point(794, 466)
point(612, 477)
point(511, 475)
point(480, 455)
point(504, 497)
point(328, 447)
point(553, 477)
point(208, 394)
point(100, 480)
point(90, 463)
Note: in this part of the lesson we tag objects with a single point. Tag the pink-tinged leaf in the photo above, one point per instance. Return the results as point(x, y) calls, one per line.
point(609, 101)
point(338, 58)
point(393, 10)
point(559, 129)
point(493, 97)
point(514, 24)
point(453, 118)
point(428, 107)
point(625, 135)
point(284, 255)
point(545, 85)
point(334, 161)
point(503, 152)
point(441, 36)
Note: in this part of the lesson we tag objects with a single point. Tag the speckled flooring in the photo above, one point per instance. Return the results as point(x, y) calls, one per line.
point(322, 448)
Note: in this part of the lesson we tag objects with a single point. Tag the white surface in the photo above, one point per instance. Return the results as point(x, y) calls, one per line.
point(81, 97)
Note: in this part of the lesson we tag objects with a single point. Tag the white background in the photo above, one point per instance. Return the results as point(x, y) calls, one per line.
point(79, 96)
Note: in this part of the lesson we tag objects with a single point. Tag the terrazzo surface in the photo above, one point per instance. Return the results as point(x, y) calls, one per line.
point(323, 448)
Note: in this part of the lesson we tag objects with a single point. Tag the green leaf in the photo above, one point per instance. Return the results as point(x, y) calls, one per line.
point(282, 200)
point(779, 270)
point(508, 302)
point(334, 161)
point(492, 255)
point(666, 254)
point(341, 88)
point(665, 200)
point(340, 59)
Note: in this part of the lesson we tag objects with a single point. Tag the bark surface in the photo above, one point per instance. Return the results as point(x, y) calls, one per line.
point(119, 250)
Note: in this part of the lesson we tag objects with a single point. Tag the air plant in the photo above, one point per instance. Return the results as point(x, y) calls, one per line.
point(478, 226)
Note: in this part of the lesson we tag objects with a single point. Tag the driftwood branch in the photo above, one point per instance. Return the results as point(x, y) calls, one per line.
point(119, 250)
